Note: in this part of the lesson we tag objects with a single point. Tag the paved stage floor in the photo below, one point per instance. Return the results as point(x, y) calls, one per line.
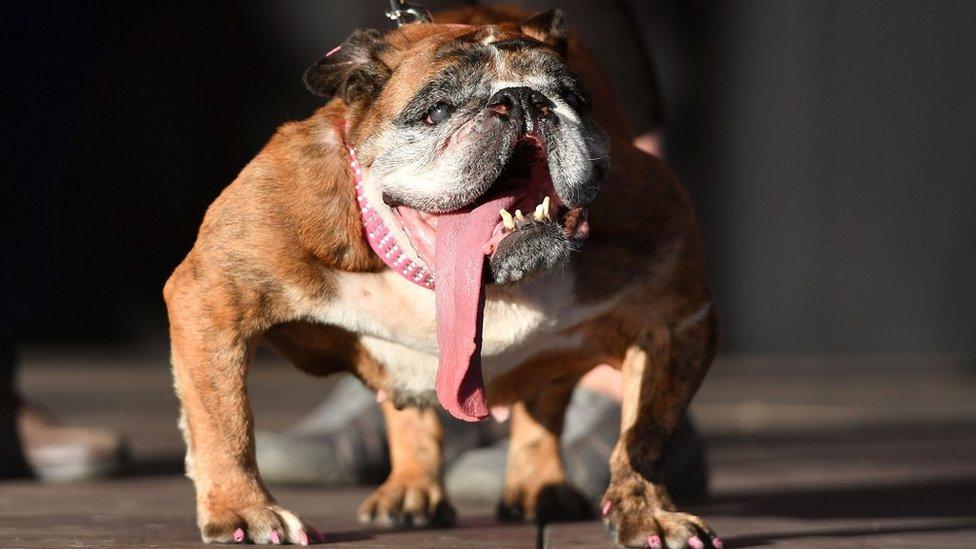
point(804, 453)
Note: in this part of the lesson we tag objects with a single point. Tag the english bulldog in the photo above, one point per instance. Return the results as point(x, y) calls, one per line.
point(464, 224)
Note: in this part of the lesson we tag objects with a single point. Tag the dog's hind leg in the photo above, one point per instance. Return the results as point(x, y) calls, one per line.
point(210, 350)
point(413, 494)
point(535, 479)
point(661, 372)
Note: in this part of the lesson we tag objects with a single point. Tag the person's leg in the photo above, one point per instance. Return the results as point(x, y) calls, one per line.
point(32, 443)
point(12, 462)
point(343, 441)
point(592, 429)
point(55, 52)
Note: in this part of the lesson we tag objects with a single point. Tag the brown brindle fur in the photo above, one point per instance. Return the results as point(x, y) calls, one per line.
point(413, 494)
point(290, 220)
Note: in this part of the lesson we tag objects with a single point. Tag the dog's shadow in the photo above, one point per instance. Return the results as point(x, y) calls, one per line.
point(943, 505)
point(362, 534)
point(348, 536)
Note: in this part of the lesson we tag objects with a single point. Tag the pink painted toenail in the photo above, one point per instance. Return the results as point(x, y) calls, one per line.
point(654, 542)
point(695, 543)
point(717, 543)
point(302, 537)
point(239, 535)
point(275, 537)
point(606, 508)
point(380, 396)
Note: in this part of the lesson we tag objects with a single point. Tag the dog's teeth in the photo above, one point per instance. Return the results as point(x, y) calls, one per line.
point(519, 216)
point(537, 214)
point(545, 207)
point(507, 220)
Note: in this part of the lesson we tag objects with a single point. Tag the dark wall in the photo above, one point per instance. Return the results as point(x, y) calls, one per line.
point(845, 176)
point(830, 148)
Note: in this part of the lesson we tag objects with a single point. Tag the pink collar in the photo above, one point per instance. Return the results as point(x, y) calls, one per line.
point(381, 239)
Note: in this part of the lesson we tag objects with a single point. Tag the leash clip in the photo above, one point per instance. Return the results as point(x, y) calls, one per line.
point(405, 13)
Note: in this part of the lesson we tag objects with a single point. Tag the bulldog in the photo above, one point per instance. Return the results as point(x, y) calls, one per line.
point(464, 224)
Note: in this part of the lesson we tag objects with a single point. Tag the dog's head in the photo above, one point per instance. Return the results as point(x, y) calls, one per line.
point(485, 129)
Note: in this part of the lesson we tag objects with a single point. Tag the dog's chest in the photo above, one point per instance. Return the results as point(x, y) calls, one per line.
point(396, 321)
point(388, 307)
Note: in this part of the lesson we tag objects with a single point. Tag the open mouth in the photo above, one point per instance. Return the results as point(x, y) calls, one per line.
point(458, 245)
point(525, 195)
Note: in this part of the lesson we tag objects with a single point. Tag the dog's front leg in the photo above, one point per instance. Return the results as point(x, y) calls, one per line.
point(210, 351)
point(535, 478)
point(661, 374)
point(413, 494)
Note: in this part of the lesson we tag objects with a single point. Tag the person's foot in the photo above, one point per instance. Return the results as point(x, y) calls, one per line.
point(592, 428)
point(46, 450)
point(343, 441)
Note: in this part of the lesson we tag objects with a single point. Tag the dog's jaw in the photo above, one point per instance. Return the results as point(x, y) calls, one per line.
point(381, 239)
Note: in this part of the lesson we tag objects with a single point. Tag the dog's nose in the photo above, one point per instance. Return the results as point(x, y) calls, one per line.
point(521, 104)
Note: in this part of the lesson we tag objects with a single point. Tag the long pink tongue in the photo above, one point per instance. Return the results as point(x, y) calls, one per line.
point(459, 271)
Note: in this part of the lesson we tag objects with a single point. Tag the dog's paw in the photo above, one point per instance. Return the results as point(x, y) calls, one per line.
point(555, 502)
point(406, 503)
point(635, 518)
point(267, 524)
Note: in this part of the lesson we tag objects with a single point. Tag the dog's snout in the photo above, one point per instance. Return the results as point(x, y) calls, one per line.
point(521, 104)
point(501, 104)
point(541, 102)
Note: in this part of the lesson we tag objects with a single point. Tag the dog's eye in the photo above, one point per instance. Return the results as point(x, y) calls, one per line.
point(574, 101)
point(438, 113)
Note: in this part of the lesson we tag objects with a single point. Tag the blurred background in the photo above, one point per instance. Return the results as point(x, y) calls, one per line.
point(829, 147)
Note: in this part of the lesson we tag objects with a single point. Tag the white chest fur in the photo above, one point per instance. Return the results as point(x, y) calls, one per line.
point(397, 322)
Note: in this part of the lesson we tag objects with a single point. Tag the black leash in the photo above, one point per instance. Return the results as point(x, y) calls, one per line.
point(405, 13)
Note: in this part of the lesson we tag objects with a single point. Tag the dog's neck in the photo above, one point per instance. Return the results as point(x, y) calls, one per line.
point(380, 239)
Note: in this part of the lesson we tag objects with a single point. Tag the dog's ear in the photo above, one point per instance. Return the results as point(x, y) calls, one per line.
point(353, 71)
point(548, 27)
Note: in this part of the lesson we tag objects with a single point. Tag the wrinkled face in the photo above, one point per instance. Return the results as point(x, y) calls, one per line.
point(489, 131)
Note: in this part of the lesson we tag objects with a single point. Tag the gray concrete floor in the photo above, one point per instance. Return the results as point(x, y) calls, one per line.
point(804, 453)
